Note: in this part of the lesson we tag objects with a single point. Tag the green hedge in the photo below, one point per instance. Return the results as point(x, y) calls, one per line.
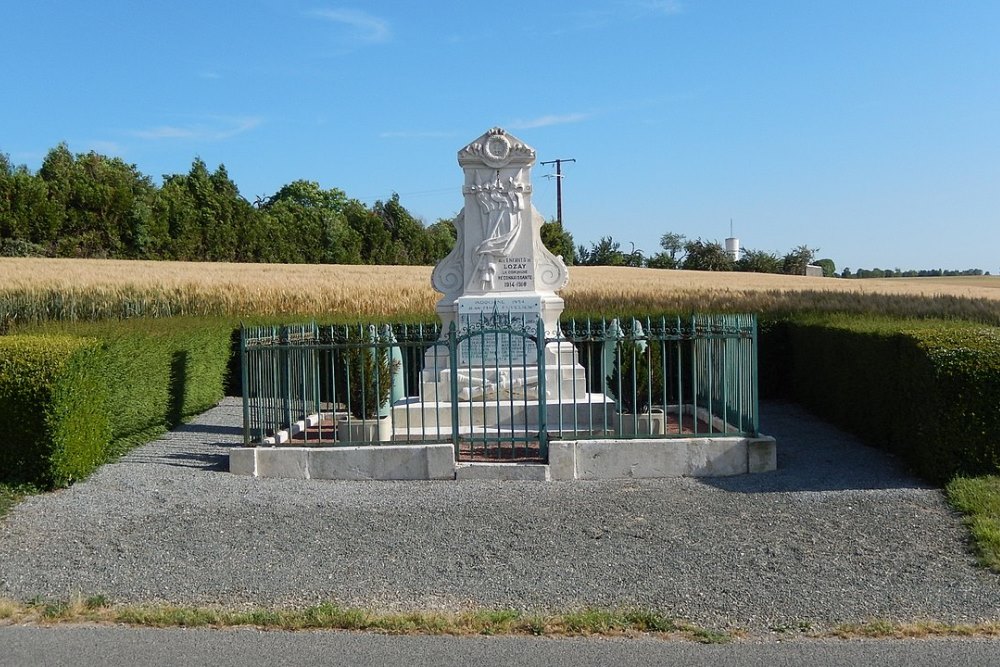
point(53, 408)
point(75, 395)
point(927, 391)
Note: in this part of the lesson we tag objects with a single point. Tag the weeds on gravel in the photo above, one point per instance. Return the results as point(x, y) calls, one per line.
point(588, 622)
point(978, 498)
point(883, 629)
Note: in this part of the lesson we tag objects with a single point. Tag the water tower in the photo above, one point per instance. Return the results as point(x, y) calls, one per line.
point(733, 244)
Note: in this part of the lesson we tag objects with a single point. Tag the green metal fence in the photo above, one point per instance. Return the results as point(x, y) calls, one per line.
point(500, 390)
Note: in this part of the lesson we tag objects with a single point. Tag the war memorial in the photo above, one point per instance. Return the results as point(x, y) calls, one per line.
point(502, 386)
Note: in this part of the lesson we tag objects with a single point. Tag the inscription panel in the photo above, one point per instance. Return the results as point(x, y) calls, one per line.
point(516, 274)
point(498, 349)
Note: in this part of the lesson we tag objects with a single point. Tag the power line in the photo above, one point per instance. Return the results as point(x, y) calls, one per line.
point(558, 164)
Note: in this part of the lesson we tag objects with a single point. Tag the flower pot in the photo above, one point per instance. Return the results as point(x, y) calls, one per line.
point(354, 430)
point(653, 422)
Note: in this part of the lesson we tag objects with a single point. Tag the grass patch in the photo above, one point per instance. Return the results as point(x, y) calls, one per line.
point(588, 622)
point(500, 622)
point(883, 629)
point(978, 498)
point(12, 494)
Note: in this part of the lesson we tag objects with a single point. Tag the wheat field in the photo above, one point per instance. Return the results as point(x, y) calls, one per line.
point(95, 288)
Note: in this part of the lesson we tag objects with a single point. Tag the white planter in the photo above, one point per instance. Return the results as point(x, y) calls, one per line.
point(377, 429)
point(653, 422)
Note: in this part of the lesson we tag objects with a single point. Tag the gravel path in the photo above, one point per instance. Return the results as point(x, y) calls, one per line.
point(838, 533)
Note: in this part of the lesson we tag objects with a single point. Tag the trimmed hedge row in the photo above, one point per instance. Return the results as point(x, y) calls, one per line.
point(74, 396)
point(53, 409)
point(927, 391)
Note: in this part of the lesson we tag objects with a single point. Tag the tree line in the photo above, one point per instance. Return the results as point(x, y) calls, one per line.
point(90, 205)
point(679, 252)
point(909, 273)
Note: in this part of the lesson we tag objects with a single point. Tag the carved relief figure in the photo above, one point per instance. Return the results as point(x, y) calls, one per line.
point(500, 205)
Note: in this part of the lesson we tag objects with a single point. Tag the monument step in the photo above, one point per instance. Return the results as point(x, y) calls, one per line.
point(481, 434)
point(512, 472)
point(593, 412)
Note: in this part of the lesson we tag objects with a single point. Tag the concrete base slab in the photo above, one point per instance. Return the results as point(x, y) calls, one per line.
point(243, 461)
point(658, 457)
point(521, 472)
point(762, 454)
point(379, 462)
point(568, 459)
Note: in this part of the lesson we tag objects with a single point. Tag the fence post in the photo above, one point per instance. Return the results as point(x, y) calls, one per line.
point(543, 406)
point(754, 396)
point(245, 379)
point(453, 377)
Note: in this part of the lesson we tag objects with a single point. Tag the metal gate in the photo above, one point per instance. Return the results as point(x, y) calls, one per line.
point(498, 394)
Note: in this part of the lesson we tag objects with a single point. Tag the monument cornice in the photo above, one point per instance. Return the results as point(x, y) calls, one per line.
point(497, 149)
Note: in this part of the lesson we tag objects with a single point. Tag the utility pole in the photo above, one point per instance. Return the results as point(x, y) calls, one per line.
point(558, 164)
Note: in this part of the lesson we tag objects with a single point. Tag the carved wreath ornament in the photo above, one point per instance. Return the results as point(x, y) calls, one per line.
point(497, 149)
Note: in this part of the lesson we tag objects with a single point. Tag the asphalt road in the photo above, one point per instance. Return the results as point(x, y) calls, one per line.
point(102, 646)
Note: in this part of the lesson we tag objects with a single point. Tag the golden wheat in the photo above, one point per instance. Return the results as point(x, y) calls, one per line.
point(39, 289)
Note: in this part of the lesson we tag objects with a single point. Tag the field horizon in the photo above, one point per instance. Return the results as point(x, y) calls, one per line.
point(170, 287)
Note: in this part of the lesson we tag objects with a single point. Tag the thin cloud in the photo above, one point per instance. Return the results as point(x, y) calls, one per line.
point(214, 129)
point(367, 28)
point(551, 119)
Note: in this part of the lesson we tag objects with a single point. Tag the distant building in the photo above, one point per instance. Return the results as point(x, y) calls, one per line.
point(733, 248)
point(813, 270)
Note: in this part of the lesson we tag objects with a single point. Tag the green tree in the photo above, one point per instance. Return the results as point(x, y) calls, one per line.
point(558, 240)
point(56, 173)
point(606, 252)
point(409, 242)
point(758, 261)
point(311, 225)
point(376, 242)
point(26, 212)
point(180, 206)
point(99, 206)
point(706, 256)
point(442, 237)
point(795, 262)
point(829, 268)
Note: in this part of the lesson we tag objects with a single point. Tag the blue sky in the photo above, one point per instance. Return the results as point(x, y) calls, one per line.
point(869, 129)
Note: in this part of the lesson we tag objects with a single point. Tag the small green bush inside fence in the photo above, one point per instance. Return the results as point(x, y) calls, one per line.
point(926, 391)
point(74, 395)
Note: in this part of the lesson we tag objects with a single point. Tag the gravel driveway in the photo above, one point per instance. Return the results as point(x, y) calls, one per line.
point(838, 533)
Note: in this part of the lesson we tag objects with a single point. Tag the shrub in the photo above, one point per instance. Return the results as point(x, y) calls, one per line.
point(366, 378)
point(923, 390)
point(20, 248)
point(53, 409)
point(636, 377)
point(75, 395)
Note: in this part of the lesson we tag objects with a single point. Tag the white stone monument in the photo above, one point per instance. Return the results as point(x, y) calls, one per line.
point(499, 261)
point(498, 273)
point(500, 277)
